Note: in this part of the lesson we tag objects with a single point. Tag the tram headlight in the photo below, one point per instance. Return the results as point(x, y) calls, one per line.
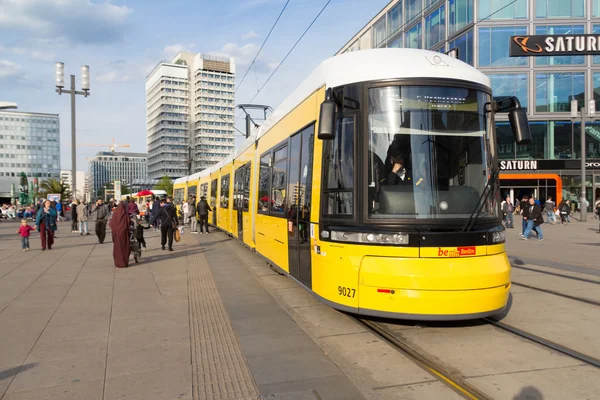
point(499, 236)
point(370, 238)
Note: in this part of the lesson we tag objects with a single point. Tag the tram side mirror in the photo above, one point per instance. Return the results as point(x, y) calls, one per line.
point(520, 125)
point(327, 118)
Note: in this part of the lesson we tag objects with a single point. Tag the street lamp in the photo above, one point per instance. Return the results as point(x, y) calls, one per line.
point(591, 113)
point(85, 86)
point(5, 105)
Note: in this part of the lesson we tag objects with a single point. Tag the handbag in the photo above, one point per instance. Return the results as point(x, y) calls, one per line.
point(177, 235)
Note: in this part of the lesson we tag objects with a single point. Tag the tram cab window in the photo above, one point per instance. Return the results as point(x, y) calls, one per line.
point(427, 154)
point(338, 164)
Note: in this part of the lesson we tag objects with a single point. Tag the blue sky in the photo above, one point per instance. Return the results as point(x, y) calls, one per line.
point(122, 40)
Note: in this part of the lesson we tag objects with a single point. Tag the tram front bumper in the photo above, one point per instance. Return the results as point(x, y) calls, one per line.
point(434, 288)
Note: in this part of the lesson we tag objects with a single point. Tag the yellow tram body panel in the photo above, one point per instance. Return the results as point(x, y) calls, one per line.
point(412, 282)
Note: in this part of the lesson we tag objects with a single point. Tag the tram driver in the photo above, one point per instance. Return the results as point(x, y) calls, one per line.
point(399, 175)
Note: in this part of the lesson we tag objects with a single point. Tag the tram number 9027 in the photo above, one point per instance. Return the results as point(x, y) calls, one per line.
point(345, 291)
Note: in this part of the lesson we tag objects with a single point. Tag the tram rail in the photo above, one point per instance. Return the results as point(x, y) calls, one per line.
point(557, 293)
point(575, 278)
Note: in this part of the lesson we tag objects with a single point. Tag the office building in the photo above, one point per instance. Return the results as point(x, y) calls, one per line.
point(481, 31)
point(107, 167)
point(29, 143)
point(66, 177)
point(189, 114)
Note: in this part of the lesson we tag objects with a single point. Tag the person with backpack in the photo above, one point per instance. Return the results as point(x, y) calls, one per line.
point(534, 220)
point(564, 209)
point(549, 208)
point(508, 209)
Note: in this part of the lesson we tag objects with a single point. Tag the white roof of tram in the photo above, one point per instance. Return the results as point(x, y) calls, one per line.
point(364, 66)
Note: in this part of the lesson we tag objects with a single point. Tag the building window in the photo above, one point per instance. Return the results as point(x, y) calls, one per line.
point(494, 44)
point(596, 8)
point(460, 14)
point(396, 43)
point(505, 85)
point(464, 44)
point(414, 38)
point(554, 91)
point(413, 9)
point(502, 9)
point(559, 30)
point(435, 27)
point(379, 33)
point(559, 8)
point(394, 19)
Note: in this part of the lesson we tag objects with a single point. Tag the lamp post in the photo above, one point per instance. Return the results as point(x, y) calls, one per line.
point(85, 86)
point(5, 105)
point(591, 113)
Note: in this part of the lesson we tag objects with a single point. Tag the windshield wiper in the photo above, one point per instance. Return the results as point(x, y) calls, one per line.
point(487, 191)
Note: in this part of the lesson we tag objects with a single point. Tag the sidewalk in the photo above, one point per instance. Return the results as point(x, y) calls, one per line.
point(75, 327)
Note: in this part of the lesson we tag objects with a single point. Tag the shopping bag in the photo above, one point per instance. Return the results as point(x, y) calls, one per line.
point(177, 235)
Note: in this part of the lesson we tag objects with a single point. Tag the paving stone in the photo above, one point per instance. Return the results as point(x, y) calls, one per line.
point(88, 390)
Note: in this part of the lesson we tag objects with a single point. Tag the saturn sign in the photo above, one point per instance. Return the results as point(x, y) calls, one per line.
point(554, 45)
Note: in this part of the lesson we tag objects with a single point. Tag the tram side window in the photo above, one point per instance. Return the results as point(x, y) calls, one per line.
point(225, 191)
point(178, 196)
point(246, 187)
point(263, 184)
point(338, 167)
point(213, 193)
point(278, 190)
point(236, 188)
point(203, 190)
point(192, 191)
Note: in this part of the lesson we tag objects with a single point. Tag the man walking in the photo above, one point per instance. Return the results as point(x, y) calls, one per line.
point(534, 220)
point(203, 209)
point(549, 207)
point(193, 217)
point(508, 210)
point(185, 210)
point(82, 218)
point(168, 221)
point(74, 215)
point(101, 212)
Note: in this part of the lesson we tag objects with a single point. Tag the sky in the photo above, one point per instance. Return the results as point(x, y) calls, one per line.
point(123, 40)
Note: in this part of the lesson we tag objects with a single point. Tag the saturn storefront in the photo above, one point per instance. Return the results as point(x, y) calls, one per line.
point(545, 82)
point(560, 179)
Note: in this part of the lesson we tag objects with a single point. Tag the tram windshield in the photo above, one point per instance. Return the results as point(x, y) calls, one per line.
point(428, 154)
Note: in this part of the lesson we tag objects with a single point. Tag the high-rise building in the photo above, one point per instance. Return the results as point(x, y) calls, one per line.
point(189, 114)
point(481, 30)
point(30, 143)
point(108, 166)
point(66, 177)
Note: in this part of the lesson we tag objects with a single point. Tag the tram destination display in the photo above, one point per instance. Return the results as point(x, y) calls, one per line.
point(553, 45)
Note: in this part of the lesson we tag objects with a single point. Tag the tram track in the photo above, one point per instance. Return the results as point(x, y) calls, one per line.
point(454, 381)
point(557, 274)
point(557, 293)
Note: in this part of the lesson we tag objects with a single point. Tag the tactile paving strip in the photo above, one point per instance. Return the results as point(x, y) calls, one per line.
point(220, 370)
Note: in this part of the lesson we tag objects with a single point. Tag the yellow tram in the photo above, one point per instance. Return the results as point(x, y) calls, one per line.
point(375, 185)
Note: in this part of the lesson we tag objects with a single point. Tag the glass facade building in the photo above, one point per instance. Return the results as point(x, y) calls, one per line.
point(545, 86)
point(107, 167)
point(29, 143)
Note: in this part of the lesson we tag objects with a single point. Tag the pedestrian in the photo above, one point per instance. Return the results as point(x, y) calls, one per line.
point(74, 221)
point(139, 234)
point(24, 231)
point(185, 210)
point(82, 218)
point(193, 217)
point(549, 207)
point(534, 220)
point(524, 206)
point(59, 211)
point(156, 213)
point(508, 209)
point(168, 221)
point(597, 208)
point(203, 209)
point(119, 225)
point(101, 212)
point(132, 207)
point(45, 222)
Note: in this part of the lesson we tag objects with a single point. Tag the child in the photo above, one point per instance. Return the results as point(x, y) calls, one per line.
point(24, 230)
point(139, 234)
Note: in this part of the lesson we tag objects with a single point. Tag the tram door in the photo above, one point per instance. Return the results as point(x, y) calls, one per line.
point(213, 201)
point(299, 192)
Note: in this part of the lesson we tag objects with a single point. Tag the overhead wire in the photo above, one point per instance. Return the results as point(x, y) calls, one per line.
point(262, 45)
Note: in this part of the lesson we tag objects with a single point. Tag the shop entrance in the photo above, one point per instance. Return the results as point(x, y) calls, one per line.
point(541, 186)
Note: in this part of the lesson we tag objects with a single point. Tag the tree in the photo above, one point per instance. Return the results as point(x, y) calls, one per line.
point(125, 189)
point(165, 184)
point(54, 186)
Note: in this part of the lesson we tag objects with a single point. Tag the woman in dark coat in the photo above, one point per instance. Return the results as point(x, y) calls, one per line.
point(119, 225)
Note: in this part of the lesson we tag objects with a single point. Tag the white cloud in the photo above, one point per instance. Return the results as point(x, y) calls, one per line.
point(250, 35)
point(43, 56)
point(9, 69)
point(174, 49)
point(112, 77)
point(75, 21)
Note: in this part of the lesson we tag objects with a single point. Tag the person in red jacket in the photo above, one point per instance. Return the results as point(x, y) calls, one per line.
point(23, 231)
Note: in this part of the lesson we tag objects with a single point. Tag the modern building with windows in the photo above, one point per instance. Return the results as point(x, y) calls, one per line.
point(66, 177)
point(189, 114)
point(481, 31)
point(108, 166)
